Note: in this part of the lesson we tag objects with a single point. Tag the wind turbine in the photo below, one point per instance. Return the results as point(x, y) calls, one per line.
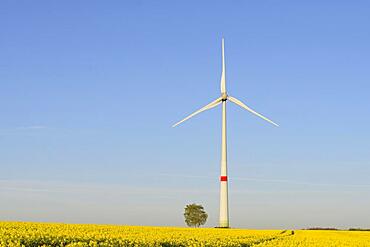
point(224, 205)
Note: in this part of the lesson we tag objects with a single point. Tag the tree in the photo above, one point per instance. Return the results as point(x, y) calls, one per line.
point(195, 215)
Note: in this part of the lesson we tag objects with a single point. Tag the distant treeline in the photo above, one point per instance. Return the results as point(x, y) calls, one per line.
point(322, 228)
point(336, 229)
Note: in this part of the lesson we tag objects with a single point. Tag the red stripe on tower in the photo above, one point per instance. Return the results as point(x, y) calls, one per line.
point(223, 178)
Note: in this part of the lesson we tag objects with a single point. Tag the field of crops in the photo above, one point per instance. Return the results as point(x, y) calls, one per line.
point(43, 234)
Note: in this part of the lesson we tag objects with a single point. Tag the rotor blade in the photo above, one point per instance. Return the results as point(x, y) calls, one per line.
point(241, 104)
point(223, 75)
point(207, 107)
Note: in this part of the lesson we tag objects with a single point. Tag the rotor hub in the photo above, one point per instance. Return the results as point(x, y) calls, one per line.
point(224, 97)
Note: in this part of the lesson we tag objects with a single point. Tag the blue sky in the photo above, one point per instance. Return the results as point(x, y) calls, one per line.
point(89, 91)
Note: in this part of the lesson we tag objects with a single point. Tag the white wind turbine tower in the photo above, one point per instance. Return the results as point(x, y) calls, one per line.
point(224, 207)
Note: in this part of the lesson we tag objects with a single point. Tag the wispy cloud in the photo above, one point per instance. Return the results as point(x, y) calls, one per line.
point(31, 127)
point(89, 188)
point(21, 129)
point(267, 180)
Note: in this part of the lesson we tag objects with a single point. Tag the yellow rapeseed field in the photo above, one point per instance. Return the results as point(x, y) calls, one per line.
point(45, 234)
point(320, 238)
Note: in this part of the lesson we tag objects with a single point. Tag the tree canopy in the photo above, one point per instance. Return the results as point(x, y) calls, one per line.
point(195, 215)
